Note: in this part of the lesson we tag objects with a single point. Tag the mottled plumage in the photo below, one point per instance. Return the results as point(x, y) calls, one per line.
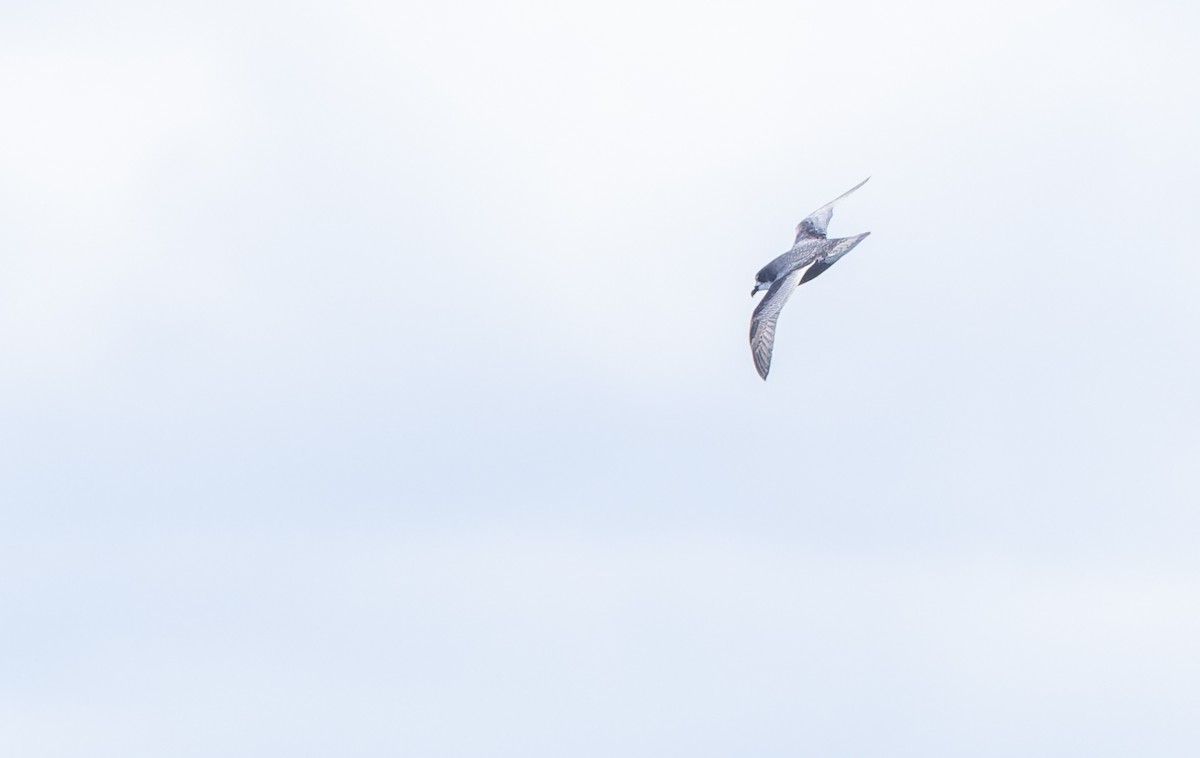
point(783, 275)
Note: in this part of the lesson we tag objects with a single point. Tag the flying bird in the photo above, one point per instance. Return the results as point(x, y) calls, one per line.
point(811, 255)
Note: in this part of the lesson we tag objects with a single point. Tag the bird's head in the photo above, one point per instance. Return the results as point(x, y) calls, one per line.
point(760, 283)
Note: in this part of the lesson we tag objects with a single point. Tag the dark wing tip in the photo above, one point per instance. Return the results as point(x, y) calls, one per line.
point(762, 354)
point(762, 366)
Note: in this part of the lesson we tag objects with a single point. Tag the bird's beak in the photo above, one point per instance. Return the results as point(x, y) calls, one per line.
point(753, 292)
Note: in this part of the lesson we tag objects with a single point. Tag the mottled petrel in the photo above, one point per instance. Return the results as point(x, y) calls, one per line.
point(787, 272)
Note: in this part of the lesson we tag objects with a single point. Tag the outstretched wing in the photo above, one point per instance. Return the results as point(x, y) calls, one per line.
point(814, 226)
point(840, 248)
point(762, 323)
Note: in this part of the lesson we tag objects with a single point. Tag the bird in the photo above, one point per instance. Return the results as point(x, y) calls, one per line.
point(811, 255)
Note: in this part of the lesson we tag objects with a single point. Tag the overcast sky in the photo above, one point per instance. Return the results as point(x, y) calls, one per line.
point(375, 380)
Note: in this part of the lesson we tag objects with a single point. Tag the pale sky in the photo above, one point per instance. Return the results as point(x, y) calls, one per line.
point(376, 380)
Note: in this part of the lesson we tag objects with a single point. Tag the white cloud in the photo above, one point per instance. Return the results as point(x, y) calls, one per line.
point(378, 373)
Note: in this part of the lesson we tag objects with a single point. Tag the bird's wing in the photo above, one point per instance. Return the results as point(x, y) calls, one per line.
point(815, 224)
point(762, 323)
point(837, 250)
